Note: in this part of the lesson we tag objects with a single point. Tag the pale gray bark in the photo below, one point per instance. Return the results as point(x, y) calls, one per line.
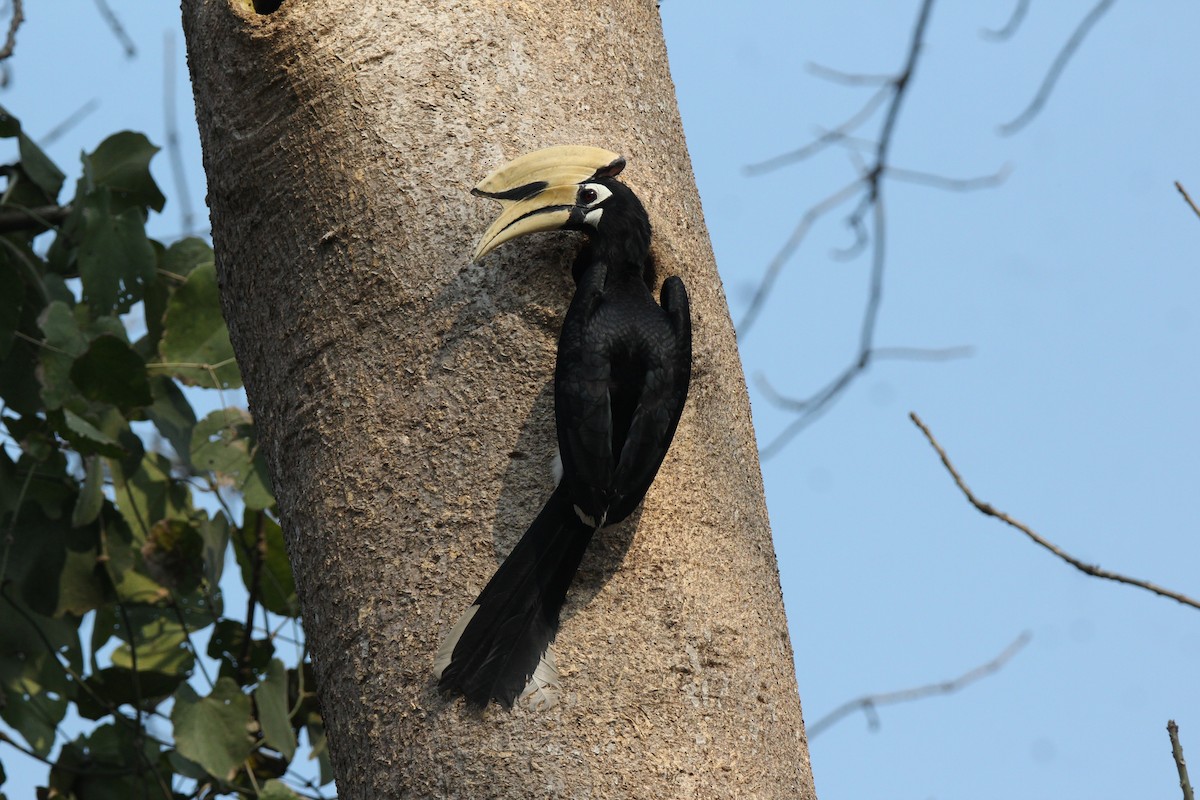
point(404, 395)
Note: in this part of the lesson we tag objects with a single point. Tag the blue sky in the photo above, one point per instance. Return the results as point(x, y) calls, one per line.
point(1074, 282)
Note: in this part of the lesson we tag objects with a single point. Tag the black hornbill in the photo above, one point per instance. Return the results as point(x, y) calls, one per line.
point(620, 383)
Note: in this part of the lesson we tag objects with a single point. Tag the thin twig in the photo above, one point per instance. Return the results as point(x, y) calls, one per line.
point(822, 141)
point(89, 769)
point(10, 41)
point(846, 78)
point(1187, 197)
point(868, 703)
point(810, 404)
point(187, 638)
point(257, 555)
point(139, 731)
point(988, 510)
point(1010, 27)
point(1056, 68)
point(73, 119)
point(952, 184)
point(923, 353)
point(16, 218)
point(810, 217)
point(171, 130)
point(1177, 751)
point(118, 30)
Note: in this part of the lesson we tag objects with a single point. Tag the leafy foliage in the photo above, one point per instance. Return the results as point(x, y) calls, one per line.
point(117, 507)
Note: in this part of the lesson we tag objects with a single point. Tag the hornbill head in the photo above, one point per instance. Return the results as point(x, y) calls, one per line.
point(565, 187)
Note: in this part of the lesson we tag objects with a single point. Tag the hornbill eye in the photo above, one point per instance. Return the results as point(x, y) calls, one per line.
point(591, 195)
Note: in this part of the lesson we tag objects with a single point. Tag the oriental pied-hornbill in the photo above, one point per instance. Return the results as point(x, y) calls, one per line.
point(620, 383)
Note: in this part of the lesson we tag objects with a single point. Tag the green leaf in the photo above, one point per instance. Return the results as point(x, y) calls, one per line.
point(319, 749)
point(276, 790)
point(111, 763)
point(228, 643)
point(12, 298)
point(147, 494)
point(158, 642)
point(184, 256)
point(43, 478)
point(40, 169)
point(33, 686)
point(186, 767)
point(91, 494)
point(173, 554)
point(212, 731)
point(276, 588)
point(110, 372)
point(19, 378)
point(10, 126)
point(271, 696)
point(112, 687)
point(224, 443)
point(52, 565)
point(145, 497)
point(64, 342)
point(35, 163)
point(81, 585)
point(215, 533)
point(172, 414)
point(67, 333)
point(195, 344)
point(84, 436)
point(122, 164)
point(116, 260)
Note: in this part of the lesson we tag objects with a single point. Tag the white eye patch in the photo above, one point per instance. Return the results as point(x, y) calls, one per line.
point(593, 194)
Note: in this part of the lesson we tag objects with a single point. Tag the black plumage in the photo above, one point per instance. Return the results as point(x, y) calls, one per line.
point(620, 383)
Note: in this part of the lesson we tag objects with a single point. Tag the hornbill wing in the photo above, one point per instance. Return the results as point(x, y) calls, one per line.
point(583, 411)
point(664, 392)
point(582, 404)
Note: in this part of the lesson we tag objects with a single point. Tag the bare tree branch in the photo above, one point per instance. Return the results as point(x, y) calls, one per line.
point(868, 703)
point(1056, 68)
point(1010, 27)
point(1187, 197)
point(869, 180)
point(867, 220)
point(1177, 751)
point(10, 41)
point(989, 510)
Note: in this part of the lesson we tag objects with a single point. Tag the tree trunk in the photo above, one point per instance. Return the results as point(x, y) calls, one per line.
point(404, 396)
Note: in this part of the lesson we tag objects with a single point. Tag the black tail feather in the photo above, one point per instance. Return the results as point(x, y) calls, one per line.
point(515, 617)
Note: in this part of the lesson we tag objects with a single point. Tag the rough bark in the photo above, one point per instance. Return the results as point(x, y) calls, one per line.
point(404, 398)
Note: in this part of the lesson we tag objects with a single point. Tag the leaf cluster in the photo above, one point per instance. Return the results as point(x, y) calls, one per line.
point(117, 505)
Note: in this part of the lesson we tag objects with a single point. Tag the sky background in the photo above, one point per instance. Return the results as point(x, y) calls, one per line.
point(1075, 282)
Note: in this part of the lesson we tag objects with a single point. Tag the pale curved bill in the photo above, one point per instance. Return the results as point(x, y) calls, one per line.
point(553, 165)
point(546, 220)
point(546, 211)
